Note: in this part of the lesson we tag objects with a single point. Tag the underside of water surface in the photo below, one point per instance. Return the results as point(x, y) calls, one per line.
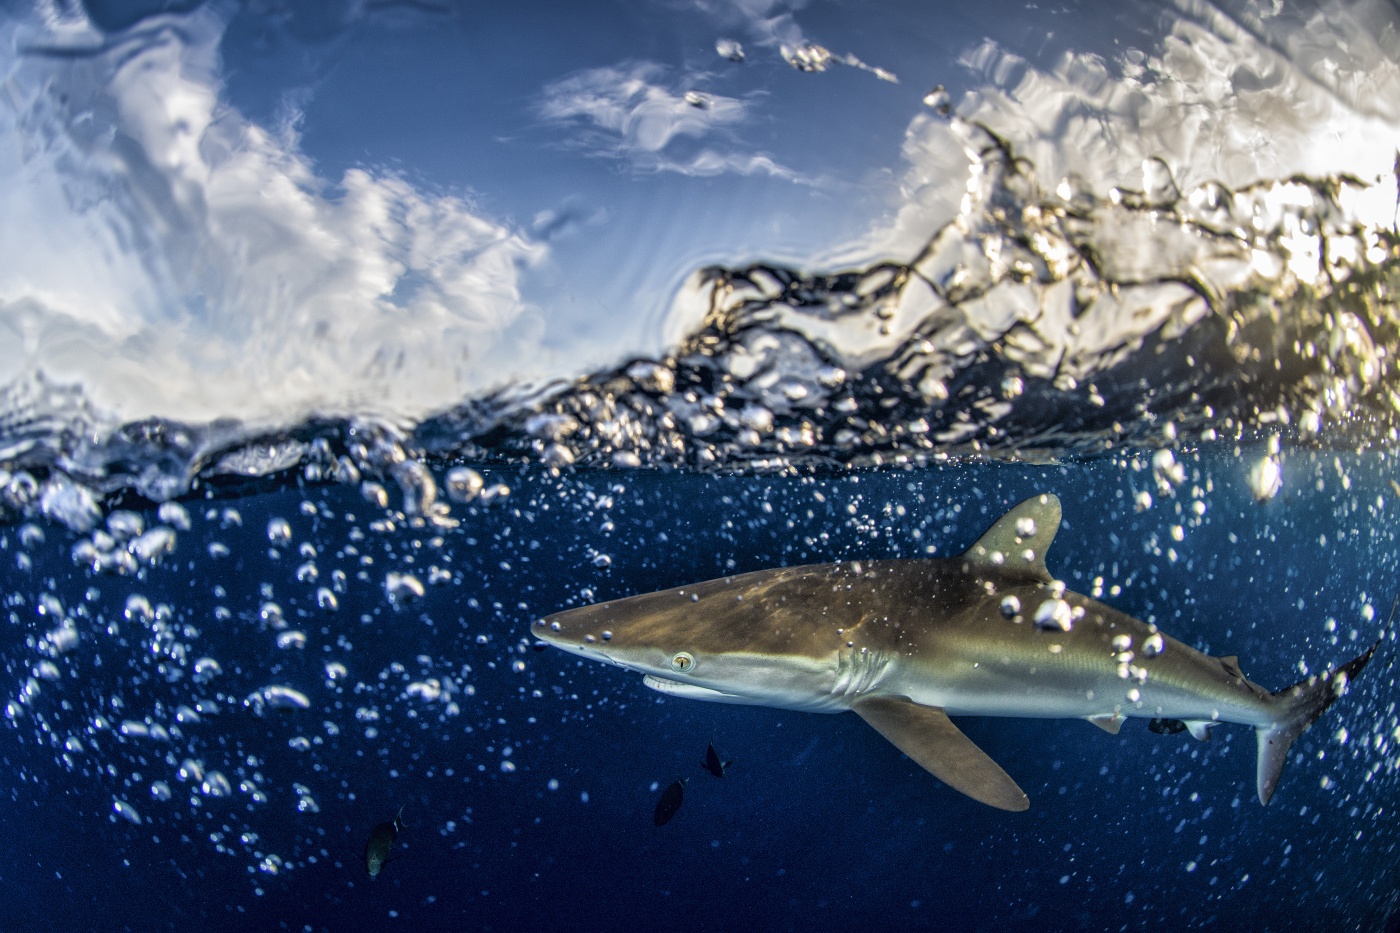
point(339, 344)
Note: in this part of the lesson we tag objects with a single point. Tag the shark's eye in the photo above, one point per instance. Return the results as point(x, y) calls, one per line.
point(682, 663)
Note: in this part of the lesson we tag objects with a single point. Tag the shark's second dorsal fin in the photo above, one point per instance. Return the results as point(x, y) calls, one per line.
point(928, 736)
point(1020, 538)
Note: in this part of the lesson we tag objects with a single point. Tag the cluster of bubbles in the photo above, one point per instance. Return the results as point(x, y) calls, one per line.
point(133, 697)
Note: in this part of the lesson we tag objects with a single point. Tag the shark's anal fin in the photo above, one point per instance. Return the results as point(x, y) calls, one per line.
point(1020, 538)
point(1199, 729)
point(928, 736)
point(1108, 722)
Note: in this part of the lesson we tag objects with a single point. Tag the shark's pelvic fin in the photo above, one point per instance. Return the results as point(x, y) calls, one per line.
point(928, 736)
point(1020, 538)
point(1108, 722)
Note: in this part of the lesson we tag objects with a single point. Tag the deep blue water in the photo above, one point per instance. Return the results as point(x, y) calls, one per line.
point(286, 269)
point(819, 824)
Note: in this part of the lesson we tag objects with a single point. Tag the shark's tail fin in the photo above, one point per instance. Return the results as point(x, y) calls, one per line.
point(1299, 707)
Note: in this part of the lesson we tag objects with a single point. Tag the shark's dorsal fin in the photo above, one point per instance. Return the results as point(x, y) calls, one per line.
point(1020, 538)
point(1231, 663)
point(928, 736)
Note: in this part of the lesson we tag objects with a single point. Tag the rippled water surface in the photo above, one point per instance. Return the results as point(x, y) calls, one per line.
point(338, 344)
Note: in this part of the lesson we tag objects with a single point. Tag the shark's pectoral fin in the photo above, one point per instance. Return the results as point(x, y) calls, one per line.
point(928, 736)
point(1108, 722)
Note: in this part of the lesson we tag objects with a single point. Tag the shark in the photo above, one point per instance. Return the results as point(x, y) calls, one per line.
point(907, 643)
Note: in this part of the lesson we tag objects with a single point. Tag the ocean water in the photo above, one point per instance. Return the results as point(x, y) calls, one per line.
point(339, 343)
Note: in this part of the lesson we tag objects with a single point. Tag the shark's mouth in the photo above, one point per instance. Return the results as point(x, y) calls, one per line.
point(692, 691)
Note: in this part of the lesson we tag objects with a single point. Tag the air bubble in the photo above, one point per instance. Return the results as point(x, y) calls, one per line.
point(729, 49)
point(125, 525)
point(206, 669)
point(126, 811)
point(277, 697)
point(149, 547)
point(417, 485)
point(1054, 614)
point(939, 101)
point(402, 588)
point(175, 515)
point(464, 484)
point(494, 491)
point(1265, 479)
point(215, 785)
point(271, 615)
point(426, 690)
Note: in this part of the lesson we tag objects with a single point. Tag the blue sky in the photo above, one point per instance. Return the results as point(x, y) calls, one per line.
point(454, 99)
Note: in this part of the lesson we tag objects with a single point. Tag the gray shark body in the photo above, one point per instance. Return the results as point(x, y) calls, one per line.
point(906, 643)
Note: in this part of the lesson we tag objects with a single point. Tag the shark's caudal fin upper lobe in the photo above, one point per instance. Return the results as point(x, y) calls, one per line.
point(1300, 706)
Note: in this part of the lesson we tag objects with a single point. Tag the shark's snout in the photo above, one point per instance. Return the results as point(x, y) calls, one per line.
point(573, 628)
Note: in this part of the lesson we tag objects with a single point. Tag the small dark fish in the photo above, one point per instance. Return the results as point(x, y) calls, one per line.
point(1167, 726)
point(669, 803)
point(381, 842)
point(712, 762)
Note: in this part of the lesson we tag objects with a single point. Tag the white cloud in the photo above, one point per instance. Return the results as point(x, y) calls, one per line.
point(1216, 99)
point(628, 113)
point(175, 259)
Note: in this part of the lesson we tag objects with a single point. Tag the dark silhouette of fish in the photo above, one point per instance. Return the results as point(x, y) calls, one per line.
point(381, 843)
point(669, 803)
point(712, 762)
point(1166, 726)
